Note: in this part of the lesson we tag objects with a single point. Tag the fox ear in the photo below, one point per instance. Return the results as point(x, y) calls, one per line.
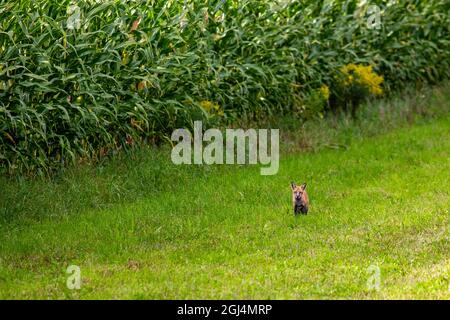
point(293, 185)
point(303, 186)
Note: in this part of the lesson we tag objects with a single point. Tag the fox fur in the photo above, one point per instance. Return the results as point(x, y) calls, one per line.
point(300, 200)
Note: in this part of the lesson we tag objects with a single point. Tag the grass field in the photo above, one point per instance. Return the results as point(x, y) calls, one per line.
point(148, 229)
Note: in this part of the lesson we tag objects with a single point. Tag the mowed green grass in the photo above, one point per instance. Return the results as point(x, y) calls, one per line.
point(228, 232)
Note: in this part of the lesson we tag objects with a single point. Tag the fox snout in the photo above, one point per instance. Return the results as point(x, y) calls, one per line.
point(299, 200)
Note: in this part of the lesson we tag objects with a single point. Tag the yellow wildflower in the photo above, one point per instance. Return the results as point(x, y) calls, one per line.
point(363, 76)
point(211, 107)
point(125, 57)
point(325, 91)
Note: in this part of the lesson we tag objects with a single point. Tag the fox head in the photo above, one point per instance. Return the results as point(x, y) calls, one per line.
point(300, 200)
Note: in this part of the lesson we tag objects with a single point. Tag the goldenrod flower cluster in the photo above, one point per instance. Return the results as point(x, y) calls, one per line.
point(211, 107)
point(325, 92)
point(363, 76)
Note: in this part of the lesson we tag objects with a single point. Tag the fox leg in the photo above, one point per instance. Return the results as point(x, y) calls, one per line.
point(304, 209)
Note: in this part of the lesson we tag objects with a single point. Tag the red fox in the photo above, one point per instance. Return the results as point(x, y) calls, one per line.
point(300, 200)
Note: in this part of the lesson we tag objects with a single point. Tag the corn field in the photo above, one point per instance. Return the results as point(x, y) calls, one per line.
point(82, 79)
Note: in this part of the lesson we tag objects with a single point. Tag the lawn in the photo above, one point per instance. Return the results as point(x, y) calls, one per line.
point(91, 91)
point(228, 232)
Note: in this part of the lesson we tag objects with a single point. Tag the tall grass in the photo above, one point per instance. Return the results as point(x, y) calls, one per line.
point(131, 71)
